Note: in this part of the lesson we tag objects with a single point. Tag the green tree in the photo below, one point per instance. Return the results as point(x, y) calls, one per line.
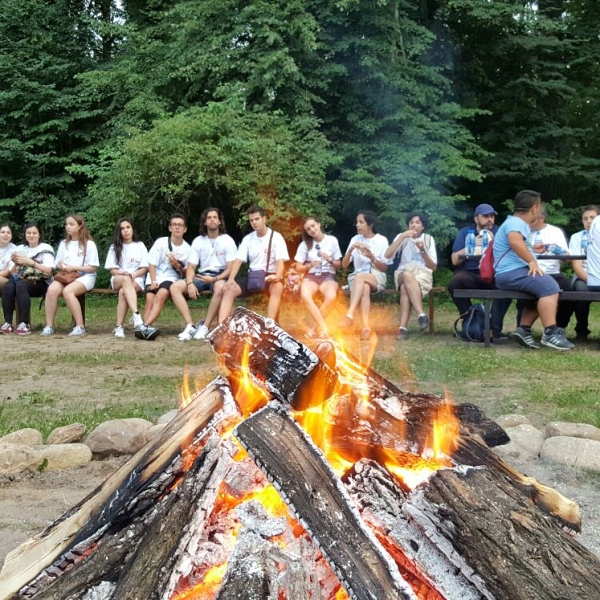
point(46, 121)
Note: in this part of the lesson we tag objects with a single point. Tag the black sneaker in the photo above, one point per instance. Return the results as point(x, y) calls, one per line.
point(557, 340)
point(499, 337)
point(525, 338)
point(151, 333)
point(423, 322)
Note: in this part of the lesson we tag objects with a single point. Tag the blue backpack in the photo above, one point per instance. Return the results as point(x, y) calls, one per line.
point(473, 324)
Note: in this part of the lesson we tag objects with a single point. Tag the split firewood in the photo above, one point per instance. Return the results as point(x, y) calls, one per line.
point(86, 521)
point(317, 496)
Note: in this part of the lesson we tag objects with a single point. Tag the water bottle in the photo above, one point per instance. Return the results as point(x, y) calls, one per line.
point(485, 240)
point(470, 243)
point(319, 268)
point(537, 238)
point(584, 241)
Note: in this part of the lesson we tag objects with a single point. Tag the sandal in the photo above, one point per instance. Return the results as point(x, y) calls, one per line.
point(365, 335)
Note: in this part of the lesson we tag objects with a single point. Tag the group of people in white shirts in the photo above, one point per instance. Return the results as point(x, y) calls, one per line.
point(180, 271)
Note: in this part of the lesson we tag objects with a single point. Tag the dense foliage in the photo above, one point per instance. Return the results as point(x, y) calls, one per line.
point(143, 108)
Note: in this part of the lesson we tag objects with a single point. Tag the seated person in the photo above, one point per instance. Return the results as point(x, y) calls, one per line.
point(544, 239)
point(127, 261)
point(24, 284)
point(77, 254)
point(7, 249)
point(367, 252)
point(466, 275)
point(517, 269)
point(579, 283)
point(209, 263)
point(593, 257)
point(414, 276)
point(167, 261)
point(263, 250)
point(318, 256)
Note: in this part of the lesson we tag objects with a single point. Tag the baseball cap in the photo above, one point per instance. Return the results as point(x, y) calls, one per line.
point(485, 209)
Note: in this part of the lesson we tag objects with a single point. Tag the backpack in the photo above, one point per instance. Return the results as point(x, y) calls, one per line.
point(486, 264)
point(473, 328)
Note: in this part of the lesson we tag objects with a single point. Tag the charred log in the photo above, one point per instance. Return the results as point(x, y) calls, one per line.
point(309, 486)
point(131, 490)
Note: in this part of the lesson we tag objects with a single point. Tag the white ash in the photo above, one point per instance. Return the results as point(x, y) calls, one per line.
point(102, 591)
point(254, 516)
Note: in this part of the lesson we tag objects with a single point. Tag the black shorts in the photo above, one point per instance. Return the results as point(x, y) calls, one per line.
point(165, 285)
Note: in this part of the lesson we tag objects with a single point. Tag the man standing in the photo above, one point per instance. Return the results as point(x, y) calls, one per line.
point(263, 250)
point(208, 266)
point(466, 276)
point(517, 269)
point(166, 264)
point(580, 278)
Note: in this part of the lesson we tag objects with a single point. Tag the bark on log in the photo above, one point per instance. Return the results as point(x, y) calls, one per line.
point(277, 362)
point(485, 526)
point(297, 469)
point(474, 452)
point(87, 520)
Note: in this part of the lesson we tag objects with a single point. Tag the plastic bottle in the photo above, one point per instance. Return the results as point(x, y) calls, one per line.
point(584, 241)
point(470, 243)
point(485, 240)
point(319, 268)
point(537, 239)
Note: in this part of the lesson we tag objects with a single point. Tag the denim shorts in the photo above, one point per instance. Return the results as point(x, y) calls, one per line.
point(519, 280)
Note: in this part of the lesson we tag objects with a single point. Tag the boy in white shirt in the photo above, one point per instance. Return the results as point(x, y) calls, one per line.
point(208, 267)
point(264, 250)
point(167, 261)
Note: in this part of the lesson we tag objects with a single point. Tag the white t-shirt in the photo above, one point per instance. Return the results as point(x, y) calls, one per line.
point(253, 250)
point(593, 253)
point(329, 245)
point(378, 245)
point(212, 255)
point(158, 257)
point(550, 235)
point(5, 254)
point(46, 259)
point(575, 247)
point(71, 253)
point(410, 253)
point(134, 256)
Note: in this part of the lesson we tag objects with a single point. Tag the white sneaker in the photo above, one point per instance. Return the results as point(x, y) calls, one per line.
point(201, 333)
point(137, 320)
point(48, 330)
point(119, 332)
point(78, 331)
point(187, 334)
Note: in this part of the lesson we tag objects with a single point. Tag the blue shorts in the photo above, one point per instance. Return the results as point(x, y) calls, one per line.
point(519, 280)
point(319, 279)
point(206, 287)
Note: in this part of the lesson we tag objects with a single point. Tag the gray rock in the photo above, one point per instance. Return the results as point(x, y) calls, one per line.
point(154, 431)
point(577, 430)
point(15, 458)
point(29, 437)
point(118, 437)
point(573, 452)
point(512, 420)
point(168, 416)
point(68, 434)
point(525, 442)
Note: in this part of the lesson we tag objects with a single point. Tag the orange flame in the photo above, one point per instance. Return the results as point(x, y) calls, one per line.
point(186, 395)
point(247, 394)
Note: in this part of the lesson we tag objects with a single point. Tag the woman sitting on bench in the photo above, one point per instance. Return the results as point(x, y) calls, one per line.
point(77, 263)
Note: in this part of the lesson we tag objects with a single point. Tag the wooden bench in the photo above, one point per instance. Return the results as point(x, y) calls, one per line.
point(488, 296)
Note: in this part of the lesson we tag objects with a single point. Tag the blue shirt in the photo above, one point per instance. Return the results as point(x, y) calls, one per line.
point(460, 242)
point(505, 258)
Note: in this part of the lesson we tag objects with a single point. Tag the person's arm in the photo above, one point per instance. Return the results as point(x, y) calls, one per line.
point(520, 248)
point(152, 272)
point(579, 271)
point(393, 247)
point(235, 269)
point(459, 257)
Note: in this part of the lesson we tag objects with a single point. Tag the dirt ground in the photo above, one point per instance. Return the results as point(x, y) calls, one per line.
point(31, 501)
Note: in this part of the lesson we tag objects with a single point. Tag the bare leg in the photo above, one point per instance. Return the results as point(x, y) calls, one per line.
point(545, 309)
point(410, 296)
point(230, 292)
point(161, 296)
point(356, 293)
point(128, 296)
point(365, 305)
point(404, 307)
point(307, 292)
point(121, 308)
point(150, 298)
point(71, 293)
point(51, 302)
point(179, 296)
point(329, 290)
point(275, 293)
point(215, 303)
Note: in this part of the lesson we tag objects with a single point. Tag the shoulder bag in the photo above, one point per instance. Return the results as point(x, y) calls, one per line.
point(256, 279)
point(67, 277)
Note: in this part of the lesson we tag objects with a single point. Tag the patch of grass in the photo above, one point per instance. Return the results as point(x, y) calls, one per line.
point(36, 398)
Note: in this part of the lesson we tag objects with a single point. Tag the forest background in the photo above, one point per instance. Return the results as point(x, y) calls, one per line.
point(141, 108)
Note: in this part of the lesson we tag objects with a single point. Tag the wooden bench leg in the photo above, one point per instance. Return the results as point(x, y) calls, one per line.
point(82, 304)
point(431, 310)
point(487, 312)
